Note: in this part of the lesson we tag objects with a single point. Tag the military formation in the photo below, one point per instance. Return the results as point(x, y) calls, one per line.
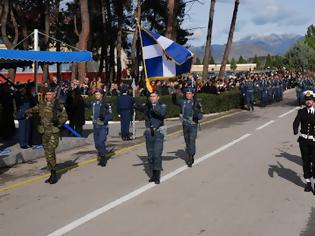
point(264, 89)
point(303, 84)
point(51, 115)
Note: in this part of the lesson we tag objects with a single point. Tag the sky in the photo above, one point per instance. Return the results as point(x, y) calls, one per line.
point(255, 17)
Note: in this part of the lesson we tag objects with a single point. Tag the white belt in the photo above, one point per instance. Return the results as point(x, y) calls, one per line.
point(311, 137)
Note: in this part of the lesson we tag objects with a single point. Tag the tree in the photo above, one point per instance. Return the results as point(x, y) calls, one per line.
point(170, 30)
point(9, 29)
point(197, 61)
point(269, 62)
point(84, 36)
point(300, 57)
point(233, 64)
point(208, 42)
point(228, 46)
point(310, 36)
point(241, 60)
point(212, 61)
point(257, 62)
point(134, 58)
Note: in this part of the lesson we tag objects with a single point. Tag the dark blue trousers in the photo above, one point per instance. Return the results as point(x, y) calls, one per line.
point(100, 133)
point(190, 135)
point(24, 132)
point(125, 119)
point(154, 145)
point(250, 101)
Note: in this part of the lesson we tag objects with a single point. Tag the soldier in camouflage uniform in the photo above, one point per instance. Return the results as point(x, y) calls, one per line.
point(52, 117)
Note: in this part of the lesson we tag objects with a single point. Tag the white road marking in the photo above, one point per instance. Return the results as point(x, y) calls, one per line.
point(287, 113)
point(265, 125)
point(76, 223)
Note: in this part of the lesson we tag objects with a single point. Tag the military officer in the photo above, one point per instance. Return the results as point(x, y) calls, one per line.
point(154, 114)
point(306, 119)
point(125, 110)
point(250, 87)
point(242, 94)
point(52, 117)
point(101, 115)
point(191, 113)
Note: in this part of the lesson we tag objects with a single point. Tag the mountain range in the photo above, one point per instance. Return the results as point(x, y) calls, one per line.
point(248, 47)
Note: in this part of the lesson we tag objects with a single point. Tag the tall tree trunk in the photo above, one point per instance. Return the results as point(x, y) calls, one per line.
point(110, 30)
point(170, 19)
point(84, 36)
point(134, 59)
point(46, 43)
point(103, 58)
point(208, 43)
point(58, 35)
point(230, 40)
point(119, 41)
point(6, 11)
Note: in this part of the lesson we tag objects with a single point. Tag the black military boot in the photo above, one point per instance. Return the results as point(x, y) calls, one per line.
point(189, 161)
point(308, 187)
point(157, 177)
point(53, 177)
point(48, 180)
point(152, 179)
point(103, 162)
point(192, 159)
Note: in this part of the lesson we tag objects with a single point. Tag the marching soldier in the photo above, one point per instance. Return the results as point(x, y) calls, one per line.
point(101, 116)
point(52, 117)
point(125, 110)
point(306, 118)
point(191, 113)
point(154, 115)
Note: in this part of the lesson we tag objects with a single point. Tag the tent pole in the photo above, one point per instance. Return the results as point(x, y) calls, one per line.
point(36, 48)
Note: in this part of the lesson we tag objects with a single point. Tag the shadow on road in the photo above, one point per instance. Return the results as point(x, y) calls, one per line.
point(145, 163)
point(285, 173)
point(293, 158)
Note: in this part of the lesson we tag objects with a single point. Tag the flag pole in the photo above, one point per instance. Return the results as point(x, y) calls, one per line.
point(144, 68)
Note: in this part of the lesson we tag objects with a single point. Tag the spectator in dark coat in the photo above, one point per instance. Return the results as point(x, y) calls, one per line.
point(75, 110)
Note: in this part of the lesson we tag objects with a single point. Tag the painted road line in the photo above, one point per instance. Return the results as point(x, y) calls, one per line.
point(76, 223)
point(265, 125)
point(287, 113)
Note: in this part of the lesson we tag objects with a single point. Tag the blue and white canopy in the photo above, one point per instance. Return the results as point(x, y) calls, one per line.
point(163, 57)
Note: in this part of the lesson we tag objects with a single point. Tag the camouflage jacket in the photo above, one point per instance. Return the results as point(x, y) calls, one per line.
point(52, 116)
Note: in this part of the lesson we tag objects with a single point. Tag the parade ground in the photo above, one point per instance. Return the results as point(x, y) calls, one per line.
point(246, 180)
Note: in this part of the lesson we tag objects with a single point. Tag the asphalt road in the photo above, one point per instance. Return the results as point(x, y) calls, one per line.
point(246, 181)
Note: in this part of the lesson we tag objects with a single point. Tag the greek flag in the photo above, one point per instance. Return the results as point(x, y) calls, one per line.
point(164, 58)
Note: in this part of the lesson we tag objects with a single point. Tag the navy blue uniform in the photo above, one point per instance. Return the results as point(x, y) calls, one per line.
point(250, 87)
point(101, 117)
point(242, 95)
point(154, 115)
point(125, 110)
point(191, 113)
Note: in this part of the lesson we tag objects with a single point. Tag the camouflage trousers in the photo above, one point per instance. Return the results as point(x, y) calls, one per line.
point(50, 143)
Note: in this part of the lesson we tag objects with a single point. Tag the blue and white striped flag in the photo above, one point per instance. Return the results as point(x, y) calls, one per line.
point(163, 57)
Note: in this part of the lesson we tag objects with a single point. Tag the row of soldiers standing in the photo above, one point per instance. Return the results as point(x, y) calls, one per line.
point(267, 90)
point(303, 84)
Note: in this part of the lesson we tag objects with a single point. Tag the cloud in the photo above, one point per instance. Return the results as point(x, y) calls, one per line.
point(273, 12)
